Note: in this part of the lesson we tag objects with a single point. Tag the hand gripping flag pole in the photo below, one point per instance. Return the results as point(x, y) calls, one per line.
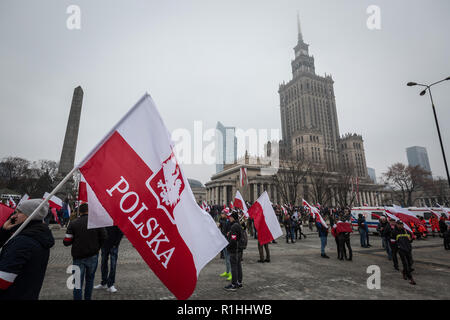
point(25, 223)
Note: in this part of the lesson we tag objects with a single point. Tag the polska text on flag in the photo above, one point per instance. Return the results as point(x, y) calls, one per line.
point(134, 181)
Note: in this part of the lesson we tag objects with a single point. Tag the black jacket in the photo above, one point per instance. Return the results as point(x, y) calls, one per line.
point(442, 226)
point(234, 235)
point(384, 229)
point(402, 239)
point(23, 261)
point(85, 242)
point(114, 236)
point(224, 225)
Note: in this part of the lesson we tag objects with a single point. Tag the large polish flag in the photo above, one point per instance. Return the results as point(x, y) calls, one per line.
point(53, 202)
point(315, 213)
point(240, 203)
point(133, 180)
point(266, 222)
point(390, 215)
point(404, 214)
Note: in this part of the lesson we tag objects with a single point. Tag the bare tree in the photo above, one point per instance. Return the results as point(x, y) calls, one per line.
point(405, 181)
point(437, 189)
point(22, 176)
point(345, 186)
point(320, 182)
point(291, 174)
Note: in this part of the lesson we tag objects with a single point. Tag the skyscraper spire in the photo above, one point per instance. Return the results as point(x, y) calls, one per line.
point(299, 29)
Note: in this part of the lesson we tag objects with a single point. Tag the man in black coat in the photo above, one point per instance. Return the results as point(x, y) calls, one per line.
point(86, 244)
point(384, 229)
point(24, 259)
point(110, 251)
point(235, 252)
point(403, 240)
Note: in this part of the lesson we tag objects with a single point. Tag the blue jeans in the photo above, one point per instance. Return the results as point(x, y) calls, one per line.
point(323, 244)
point(87, 266)
point(362, 237)
point(387, 246)
point(109, 278)
point(226, 256)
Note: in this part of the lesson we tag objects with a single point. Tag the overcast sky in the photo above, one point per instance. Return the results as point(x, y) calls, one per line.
point(221, 60)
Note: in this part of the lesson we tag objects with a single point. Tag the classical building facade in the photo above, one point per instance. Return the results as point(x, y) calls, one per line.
point(222, 187)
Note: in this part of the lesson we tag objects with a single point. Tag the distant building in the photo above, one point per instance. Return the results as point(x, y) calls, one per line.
point(198, 189)
point(371, 172)
point(226, 146)
point(309, 121)
point(418, 156)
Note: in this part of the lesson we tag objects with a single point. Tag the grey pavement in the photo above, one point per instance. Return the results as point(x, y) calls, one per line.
point(296, 271)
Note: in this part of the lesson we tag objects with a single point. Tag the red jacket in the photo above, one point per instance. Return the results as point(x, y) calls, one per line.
point(343, 227)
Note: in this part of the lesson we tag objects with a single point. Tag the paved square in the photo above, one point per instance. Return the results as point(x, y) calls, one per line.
point(296, 271)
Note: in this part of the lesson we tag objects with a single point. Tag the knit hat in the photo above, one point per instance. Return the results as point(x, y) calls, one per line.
point(27, 207)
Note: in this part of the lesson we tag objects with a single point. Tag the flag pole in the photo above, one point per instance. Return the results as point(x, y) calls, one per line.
point(25, 223)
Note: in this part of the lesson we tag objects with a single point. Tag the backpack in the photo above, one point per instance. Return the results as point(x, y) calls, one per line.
point(243, 240)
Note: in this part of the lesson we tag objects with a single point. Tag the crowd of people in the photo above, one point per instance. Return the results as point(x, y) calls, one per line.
point(24, 258)
point(395, 238)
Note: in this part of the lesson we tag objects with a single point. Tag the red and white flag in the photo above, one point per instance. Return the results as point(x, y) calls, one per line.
point(404, 214)
point(205, 206)
point(11, 203)
point(243, 179)
point(134, 181)
point(231, 206)
point(5, 212)
point(266, 222)
point(53, 202)
point(315, 213)
point(82, 192)
point(240, 203)
point(396, 219)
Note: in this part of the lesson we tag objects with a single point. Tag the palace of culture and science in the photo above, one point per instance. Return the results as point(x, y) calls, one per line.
point(310, 131)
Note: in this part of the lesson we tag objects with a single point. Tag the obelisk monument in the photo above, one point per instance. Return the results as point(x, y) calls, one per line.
point(67, 160)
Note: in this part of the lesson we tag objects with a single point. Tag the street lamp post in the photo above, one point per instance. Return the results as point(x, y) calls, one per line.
point(428, 87)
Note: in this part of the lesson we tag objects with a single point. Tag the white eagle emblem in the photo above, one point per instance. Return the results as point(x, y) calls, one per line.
point(171, 186)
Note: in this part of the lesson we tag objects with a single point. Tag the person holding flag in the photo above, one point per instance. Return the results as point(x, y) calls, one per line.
point(224, 226)
point(234, 236)
point(266, 224)
point(24, 258)
point(403, 240)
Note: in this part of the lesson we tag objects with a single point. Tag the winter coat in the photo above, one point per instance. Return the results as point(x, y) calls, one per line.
point(114, 237)
point(234, 236)
point(23, 261)
point(85, 242)
point(384, 229)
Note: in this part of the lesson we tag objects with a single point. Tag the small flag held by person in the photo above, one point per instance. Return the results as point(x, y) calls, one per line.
point(265, 220)
point(240, 203)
